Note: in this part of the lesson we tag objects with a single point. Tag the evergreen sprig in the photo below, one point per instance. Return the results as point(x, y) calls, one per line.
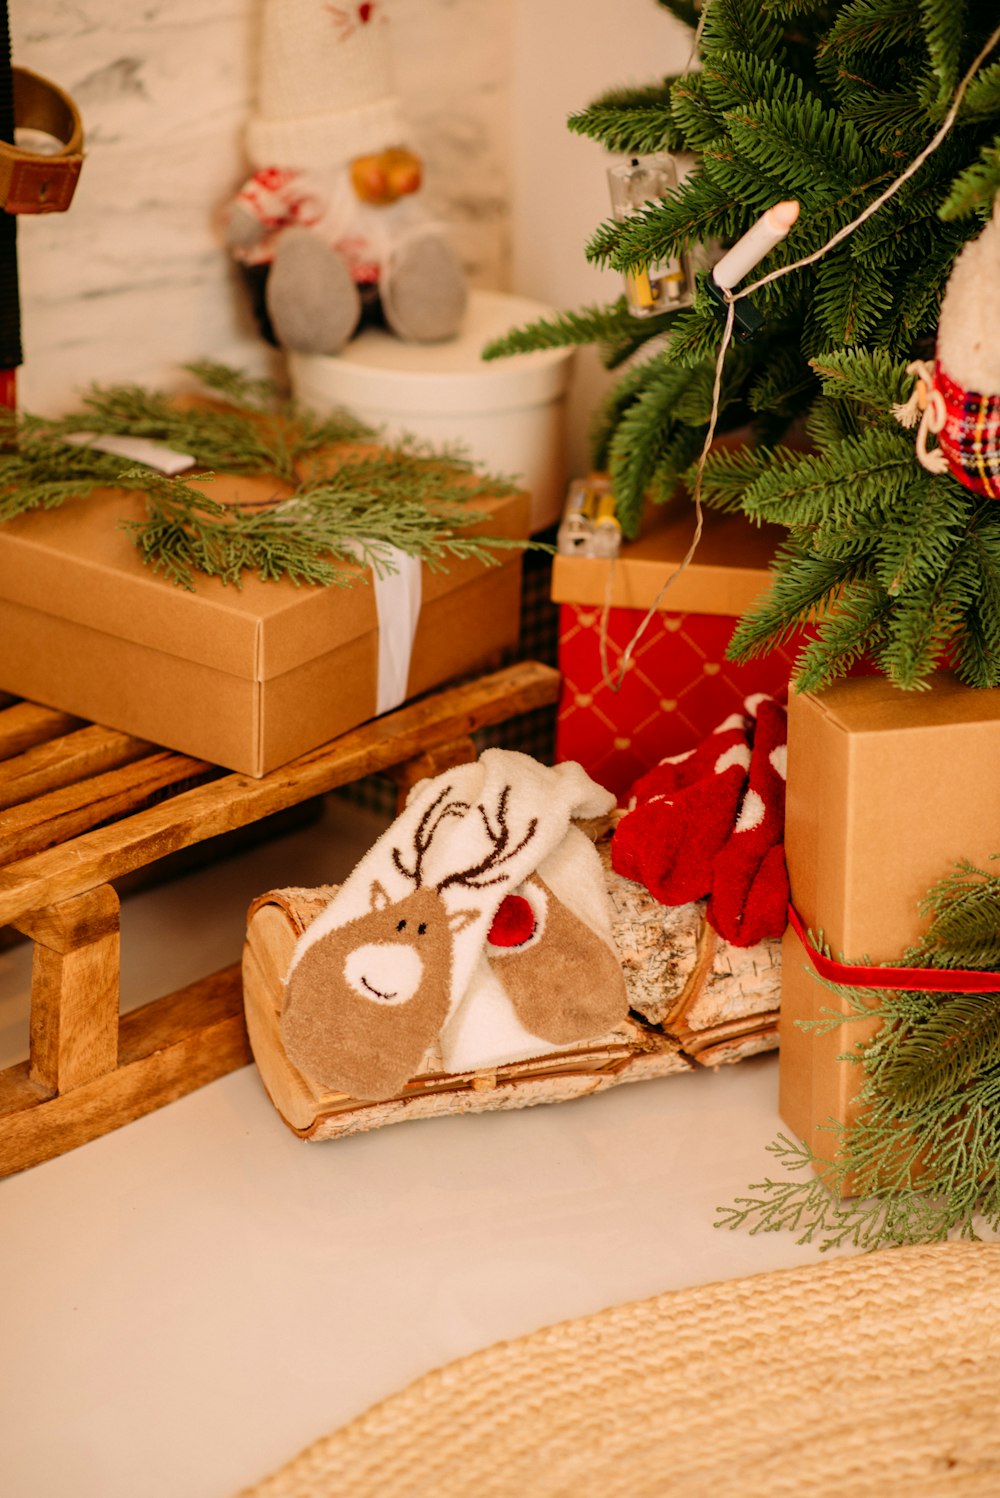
point(965, 924)
point(975, 188)
point(609, 327)
point(921, 1161)
point(254, 431)
point(633, 121)
point(825, 101)
point(353, 505)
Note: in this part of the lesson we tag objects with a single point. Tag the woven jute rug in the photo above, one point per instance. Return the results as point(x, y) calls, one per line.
point(878, 1375)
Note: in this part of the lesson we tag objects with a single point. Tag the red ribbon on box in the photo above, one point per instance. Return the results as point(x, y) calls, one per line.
point(908, 979)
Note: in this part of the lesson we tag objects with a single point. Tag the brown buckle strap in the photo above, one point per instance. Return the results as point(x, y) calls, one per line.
point(34, 181)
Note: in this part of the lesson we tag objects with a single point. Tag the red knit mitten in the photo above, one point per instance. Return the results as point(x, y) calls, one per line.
point(684, 813)
point(678, 771)
point(749, 899)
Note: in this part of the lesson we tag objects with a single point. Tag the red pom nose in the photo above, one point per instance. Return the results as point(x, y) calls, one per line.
point(513, 923)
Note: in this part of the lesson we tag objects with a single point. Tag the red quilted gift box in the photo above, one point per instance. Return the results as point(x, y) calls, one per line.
point(679, 685)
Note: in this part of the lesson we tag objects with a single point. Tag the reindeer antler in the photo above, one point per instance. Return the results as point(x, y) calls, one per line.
point(424, 834)
point(471, 878)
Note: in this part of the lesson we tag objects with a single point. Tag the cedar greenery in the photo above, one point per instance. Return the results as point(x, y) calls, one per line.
point(408, 496)
point(923, 1156)
point(825, 101)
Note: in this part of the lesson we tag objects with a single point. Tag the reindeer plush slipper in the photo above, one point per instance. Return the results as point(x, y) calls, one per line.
point(479, 918)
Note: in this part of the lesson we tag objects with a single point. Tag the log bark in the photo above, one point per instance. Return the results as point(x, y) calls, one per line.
point(681, 975)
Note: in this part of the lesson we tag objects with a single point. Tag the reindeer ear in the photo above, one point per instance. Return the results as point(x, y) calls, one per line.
point(459, 919)
point(379, 898)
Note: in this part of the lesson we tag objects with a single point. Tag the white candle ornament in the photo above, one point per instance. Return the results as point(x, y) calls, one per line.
point(769, 230)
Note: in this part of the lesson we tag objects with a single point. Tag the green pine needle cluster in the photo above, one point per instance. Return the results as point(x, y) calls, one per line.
point(923, 1157)
point(407, 496)
point(636, 122)
point(825, 101)
point(882, 559)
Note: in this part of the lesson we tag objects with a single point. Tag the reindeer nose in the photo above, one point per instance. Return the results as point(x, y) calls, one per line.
point(384, 972)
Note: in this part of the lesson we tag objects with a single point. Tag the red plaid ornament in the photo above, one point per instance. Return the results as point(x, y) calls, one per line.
point(966, 424)
point(970, 435)
point(957, 397)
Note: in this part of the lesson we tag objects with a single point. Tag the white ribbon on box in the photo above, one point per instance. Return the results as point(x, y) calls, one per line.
point(397, 606)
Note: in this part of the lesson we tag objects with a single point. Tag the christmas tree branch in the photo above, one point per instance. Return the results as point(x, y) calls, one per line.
point(880, 118)
point(610, 326)
point(633, 121)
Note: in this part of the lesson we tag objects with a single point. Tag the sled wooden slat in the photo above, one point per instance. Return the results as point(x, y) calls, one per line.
point(166, 1049)
point(236, 800)
point(60, 815)
point(65, 760)
point(78, 817)
point(25, 724)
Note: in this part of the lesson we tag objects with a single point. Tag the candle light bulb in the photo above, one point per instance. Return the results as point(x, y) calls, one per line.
point(769, 230)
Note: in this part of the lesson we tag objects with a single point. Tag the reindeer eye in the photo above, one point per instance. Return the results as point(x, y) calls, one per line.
point(400, 925)
point(422, 928)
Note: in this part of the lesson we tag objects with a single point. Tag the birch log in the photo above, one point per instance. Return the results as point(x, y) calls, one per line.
point(694, 1000)
point(718, 1002)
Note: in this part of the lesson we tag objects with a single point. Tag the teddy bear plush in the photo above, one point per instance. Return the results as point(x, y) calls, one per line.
point(330, 229)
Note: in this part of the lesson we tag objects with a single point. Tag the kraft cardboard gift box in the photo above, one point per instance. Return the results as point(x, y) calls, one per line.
point(680, 685)
point(245, 678)
point(887, 790)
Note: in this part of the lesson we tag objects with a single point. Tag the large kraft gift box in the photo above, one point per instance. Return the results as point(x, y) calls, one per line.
point(680, 685)
point(245, 678)
point(887, 790)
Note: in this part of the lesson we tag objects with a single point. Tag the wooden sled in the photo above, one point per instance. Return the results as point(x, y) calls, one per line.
point(695, 1000)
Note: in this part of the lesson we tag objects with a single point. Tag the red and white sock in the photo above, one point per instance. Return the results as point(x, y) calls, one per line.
point(749, 892)
point(684, 812)
point(678, 771)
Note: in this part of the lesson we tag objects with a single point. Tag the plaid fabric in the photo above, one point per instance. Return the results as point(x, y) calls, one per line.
point(970, 438)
